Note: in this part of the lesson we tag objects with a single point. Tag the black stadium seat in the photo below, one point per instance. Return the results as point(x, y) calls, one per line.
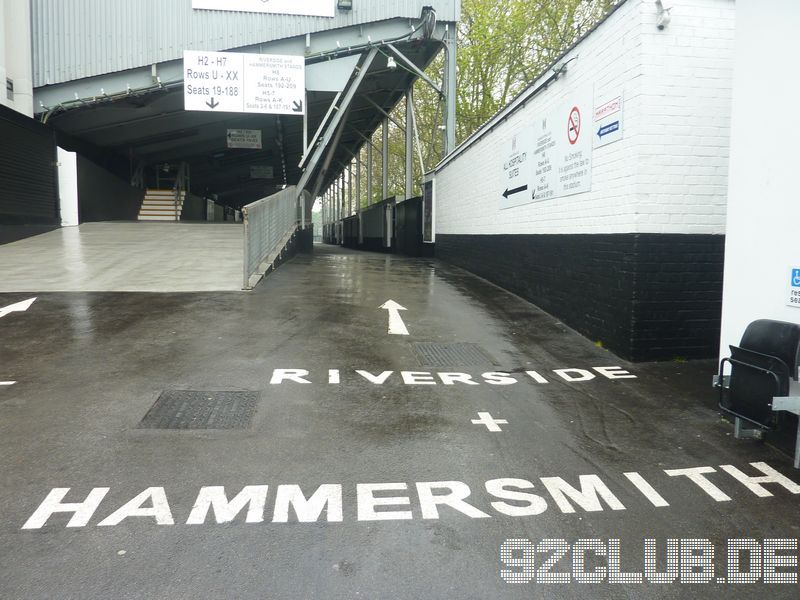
point(761, 368)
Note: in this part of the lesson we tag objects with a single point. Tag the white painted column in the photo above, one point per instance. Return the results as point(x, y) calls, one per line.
point(16, 60)
point(409, 144)
point(350, 189)
point(761, 246)
point(385, 160)
point(369, 173)
point(358, 198)
point(68, 188)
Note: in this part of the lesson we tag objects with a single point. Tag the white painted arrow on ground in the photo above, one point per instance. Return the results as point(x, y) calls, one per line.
point(396, 325)
point(7, 382)
point(18, 307)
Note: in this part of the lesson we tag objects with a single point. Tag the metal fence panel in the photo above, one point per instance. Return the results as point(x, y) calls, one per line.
point(269, 224)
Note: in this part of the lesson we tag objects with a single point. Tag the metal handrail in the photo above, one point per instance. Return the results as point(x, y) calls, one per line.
point(269, 225)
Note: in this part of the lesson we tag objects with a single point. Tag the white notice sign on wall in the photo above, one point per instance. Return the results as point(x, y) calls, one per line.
point(556, 152)
point(794, 287)
point(607, 126)
point(310, 8)
point(244, 83)
point(516, 170)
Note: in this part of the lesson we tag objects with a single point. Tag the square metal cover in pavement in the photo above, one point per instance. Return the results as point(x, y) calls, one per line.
point(431, 354)
point(182, 409)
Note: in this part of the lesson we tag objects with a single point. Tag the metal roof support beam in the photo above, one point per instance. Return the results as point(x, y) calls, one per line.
point(358, 198)
point(350, 190)
point(415, 129)
point(450, 89)
point(385, 162)
point(415, 69)
point(384, 113)
point(321, 127)
point(367, 140)
point(336, 125)
point(369, 173)
point(410, 143)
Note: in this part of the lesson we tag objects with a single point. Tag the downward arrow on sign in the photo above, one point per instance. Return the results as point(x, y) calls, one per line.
point(18, 307)
point(396, 325)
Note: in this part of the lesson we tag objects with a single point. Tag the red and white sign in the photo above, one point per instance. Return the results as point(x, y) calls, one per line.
point(608, 124)
point(574, 125)
point(609, 108)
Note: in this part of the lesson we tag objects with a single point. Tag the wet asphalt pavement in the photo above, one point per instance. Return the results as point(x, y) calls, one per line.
point(89, 366)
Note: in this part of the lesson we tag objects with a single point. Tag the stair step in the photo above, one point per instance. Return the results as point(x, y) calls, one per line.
point(155, 218)
point(164, 203)
point(162, 192)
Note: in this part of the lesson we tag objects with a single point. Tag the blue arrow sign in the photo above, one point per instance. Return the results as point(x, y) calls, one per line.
point(607, 129)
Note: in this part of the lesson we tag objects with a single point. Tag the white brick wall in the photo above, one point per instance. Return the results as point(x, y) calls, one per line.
point(669, 172)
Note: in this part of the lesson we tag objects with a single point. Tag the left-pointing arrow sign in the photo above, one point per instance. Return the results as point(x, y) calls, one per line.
point(18, 307)
point(396, 325)
point(516, 190)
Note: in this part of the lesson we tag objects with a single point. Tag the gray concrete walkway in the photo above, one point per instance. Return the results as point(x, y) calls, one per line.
point(126, 257)
point(280, 444)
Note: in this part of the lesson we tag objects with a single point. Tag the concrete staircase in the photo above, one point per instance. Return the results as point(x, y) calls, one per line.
point(159, 205)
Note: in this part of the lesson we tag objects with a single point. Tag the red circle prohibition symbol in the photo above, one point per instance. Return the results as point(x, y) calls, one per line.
point(574, 125)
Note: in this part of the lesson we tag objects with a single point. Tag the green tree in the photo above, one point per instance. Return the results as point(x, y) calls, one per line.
point(503, 46)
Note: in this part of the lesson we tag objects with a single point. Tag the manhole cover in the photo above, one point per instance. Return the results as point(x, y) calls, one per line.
point(180, 409)
point(430, 354)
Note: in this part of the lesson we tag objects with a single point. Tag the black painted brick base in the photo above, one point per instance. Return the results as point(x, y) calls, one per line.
point(644, 296)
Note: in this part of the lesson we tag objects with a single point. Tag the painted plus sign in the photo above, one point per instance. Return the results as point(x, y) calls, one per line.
point(491, 423)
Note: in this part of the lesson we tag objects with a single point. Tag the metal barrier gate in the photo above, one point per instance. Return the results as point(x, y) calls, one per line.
point(269, 224)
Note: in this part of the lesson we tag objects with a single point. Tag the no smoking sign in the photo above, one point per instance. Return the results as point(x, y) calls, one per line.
point(574, 125)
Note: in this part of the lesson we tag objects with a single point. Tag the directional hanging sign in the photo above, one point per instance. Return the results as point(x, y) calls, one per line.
point(244, 138)
point(244, 83)
point(274, 83)
point(213, 81)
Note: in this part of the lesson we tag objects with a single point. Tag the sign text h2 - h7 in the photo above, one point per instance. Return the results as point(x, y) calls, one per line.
point(244, 83)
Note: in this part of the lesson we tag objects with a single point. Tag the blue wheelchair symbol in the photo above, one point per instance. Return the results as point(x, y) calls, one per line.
point(795, 277)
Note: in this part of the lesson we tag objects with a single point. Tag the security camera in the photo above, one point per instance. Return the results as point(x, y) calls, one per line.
point(391, 63)
point(663, 17)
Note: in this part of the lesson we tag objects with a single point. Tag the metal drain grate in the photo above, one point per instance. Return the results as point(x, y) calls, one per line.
point(430, 354)
point(180, 409)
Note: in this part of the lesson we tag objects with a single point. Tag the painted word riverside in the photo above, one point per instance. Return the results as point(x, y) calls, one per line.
point(399, 501)
point(334, 376)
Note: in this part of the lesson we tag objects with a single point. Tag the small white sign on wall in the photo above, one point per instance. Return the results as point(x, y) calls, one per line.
point(793, 298)
point(516, 170)
point(310, 8)
point(607, 126)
